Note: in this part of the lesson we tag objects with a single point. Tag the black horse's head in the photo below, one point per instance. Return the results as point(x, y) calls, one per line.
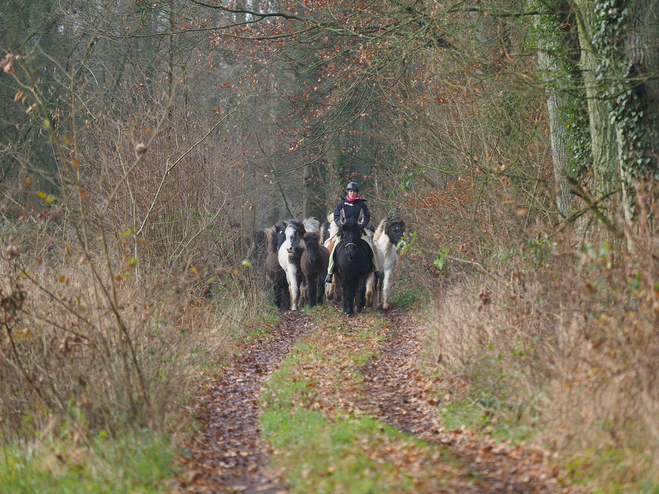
point(275, 236)
point(395, 229)
point(351, 233)
point(281, 234)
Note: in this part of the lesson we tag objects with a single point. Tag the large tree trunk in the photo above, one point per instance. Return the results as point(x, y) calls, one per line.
point(602, 132)
point(638, 163)
point(558, 130)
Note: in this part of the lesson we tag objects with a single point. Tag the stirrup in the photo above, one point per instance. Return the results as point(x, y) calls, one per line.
point(378, 274)
point(328, 279)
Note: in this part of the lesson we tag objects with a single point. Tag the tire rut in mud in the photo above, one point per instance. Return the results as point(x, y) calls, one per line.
point(228, 453)
point(408, 403)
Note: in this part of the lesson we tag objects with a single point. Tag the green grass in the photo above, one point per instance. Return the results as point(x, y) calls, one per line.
point(132, 464)
point(617, 467)
point(405, 300)
point(335, 451)
point(323, 456)
point(493, 403)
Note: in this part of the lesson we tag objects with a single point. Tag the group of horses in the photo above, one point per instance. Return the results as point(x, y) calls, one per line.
point(298, 253)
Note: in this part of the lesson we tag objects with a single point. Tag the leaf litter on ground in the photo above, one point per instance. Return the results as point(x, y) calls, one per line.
point(344, 407)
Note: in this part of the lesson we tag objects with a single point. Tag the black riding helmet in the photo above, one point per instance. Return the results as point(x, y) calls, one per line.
point(353, 186)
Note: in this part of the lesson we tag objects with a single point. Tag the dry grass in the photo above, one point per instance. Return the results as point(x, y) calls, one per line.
point(123, 278)
point(572, 346)
point(66, 348)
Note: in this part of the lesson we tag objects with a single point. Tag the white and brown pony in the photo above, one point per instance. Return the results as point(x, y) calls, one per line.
point(291, 251)
point(385, 240)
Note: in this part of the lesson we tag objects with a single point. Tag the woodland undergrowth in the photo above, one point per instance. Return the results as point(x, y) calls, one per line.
point(558, 346)
point(124, 278)
point(90, 367)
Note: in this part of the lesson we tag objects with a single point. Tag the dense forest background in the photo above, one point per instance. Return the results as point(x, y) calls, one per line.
point(145, 145)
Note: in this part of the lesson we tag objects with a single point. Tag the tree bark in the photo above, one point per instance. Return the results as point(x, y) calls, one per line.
point(558, 130)
point(602, 132)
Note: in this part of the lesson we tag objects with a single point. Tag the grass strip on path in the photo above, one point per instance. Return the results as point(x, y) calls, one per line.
point(320, 423)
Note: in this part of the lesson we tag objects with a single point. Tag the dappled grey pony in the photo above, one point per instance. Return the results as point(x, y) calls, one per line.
point(385, 240)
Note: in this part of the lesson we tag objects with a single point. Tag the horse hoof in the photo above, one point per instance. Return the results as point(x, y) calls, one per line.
point(349, 314)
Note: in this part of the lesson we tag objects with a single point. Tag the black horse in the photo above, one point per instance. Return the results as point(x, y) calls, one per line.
point(275, 237)
point(352, 265)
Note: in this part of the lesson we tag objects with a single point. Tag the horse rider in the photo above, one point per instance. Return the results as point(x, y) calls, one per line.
point(354, 208)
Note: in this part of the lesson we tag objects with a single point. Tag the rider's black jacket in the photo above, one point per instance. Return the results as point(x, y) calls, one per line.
point(357, 210)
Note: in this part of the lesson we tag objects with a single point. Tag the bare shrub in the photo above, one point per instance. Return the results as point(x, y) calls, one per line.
point(113, 271)
point(606, 394)
point(497, 339)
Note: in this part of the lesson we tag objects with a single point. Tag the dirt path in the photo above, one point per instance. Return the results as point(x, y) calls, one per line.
point(407, 401)
point(228, 454)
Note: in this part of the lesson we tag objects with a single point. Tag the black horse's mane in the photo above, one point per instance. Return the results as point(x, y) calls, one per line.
point(351, 225)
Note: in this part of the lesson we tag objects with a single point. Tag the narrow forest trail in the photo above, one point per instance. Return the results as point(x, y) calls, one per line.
point(407, 401)
point(344, 373)
point(228, 454)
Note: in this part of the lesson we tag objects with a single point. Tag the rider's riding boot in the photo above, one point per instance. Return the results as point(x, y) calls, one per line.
point(378, 274)
point(329, 278)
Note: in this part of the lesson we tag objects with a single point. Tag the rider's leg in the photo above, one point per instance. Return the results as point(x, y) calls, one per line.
point(330, 266)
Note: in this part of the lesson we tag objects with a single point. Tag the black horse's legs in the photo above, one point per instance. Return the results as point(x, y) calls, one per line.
point(285, 296)
point(320, 289)
point(277, 288)
point(349, 299)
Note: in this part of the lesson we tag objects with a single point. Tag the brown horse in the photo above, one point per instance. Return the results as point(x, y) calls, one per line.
point(313, 264)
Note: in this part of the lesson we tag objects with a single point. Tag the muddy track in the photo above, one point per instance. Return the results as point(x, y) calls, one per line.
point(408, 402)
point(228, 453)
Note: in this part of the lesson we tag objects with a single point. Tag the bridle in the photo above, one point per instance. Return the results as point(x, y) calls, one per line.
point(346, 244)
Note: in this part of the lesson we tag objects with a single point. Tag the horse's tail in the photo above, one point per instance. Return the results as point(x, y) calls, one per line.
point(380, 229)
point(311, 224)
point(271, 239)
point(324, 232)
